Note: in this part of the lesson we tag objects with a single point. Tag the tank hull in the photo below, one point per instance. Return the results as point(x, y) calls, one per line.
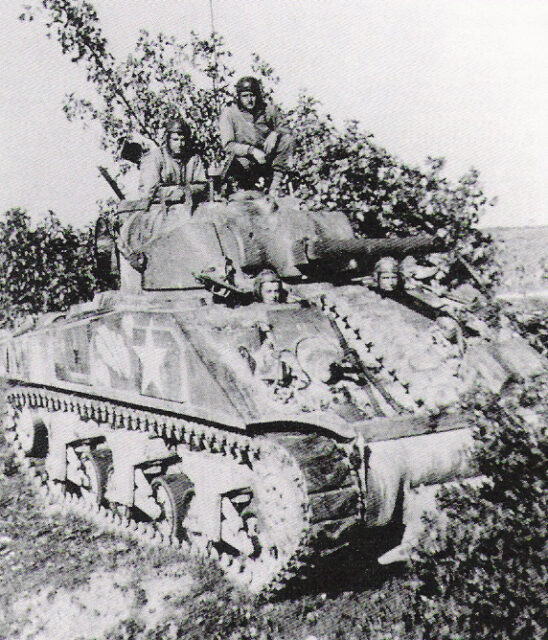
point(232, 434)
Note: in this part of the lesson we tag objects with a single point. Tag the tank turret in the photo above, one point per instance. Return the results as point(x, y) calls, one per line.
point(253, 234)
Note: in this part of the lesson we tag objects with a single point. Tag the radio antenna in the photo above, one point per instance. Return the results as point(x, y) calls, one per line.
point(211, 16)
point(214, 78)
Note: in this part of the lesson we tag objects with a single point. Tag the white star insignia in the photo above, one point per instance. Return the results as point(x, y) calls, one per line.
point(152, 361)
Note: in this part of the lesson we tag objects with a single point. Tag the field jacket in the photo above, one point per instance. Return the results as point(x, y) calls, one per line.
point(239, 129)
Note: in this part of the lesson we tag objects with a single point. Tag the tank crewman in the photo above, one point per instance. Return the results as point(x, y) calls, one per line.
point(251, 131)
point(174, 165)
point(268, 288)
point(173, 179)
point(386, 274)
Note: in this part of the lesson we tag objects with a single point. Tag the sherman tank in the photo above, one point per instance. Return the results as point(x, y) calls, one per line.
point(265, 389)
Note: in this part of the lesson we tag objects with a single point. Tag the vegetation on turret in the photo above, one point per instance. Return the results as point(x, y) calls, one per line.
point(335, 168)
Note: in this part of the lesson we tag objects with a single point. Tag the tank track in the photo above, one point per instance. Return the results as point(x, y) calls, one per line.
point(322, 476)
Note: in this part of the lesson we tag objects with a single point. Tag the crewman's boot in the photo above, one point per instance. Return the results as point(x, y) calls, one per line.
point(275, 184)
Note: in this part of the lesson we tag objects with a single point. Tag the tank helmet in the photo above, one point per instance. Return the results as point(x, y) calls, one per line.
point(386, 265)
point(387, 274)
point(248, 83)
point(266, 276)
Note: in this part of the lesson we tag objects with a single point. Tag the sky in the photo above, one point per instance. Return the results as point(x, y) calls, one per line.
point(466, 80)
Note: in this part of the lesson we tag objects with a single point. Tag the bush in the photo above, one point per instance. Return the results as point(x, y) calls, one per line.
point(347, 170)
point(533, 326)
point(485, 574)
point(43, 268)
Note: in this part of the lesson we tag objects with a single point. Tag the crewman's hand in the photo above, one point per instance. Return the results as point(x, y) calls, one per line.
point(259, 155)
point(270, 142)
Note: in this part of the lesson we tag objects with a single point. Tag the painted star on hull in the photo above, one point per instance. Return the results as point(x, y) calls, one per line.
point(152, 359)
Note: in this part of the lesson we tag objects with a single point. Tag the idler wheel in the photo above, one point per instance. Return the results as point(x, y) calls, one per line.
point(273, 525)
point(173, 494)
point(32, 434)
point(96, 467)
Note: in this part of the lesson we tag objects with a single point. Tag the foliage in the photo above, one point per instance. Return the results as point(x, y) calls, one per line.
point(333, 169)
point(346, 170)
point(484, 575)
point(159, 79)
point(533, 326)
point(43, 268)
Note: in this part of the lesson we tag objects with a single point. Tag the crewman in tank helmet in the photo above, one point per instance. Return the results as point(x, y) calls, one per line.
point(252, 132)
point(172, 182)
point(268, 288)
point(174, 164)
point(386, 274)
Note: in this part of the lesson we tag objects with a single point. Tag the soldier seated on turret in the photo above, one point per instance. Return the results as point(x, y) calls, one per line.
point(172, 181)
point(252, 132)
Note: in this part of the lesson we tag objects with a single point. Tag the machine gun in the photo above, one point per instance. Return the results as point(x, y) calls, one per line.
point(224, 290)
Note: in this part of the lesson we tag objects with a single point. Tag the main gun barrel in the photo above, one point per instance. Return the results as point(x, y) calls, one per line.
point(337, 250)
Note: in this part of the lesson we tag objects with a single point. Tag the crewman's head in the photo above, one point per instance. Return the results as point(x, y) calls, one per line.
point(248, 93)
point(386, 274)
point(178, 135)
point(268, 287)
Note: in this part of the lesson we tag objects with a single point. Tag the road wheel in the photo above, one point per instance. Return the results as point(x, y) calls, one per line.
point(96, 467)
point(173, 494)
point(32, 434)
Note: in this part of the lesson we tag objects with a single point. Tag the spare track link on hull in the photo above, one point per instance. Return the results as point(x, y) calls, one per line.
point(318, 479)
point(344, 318)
